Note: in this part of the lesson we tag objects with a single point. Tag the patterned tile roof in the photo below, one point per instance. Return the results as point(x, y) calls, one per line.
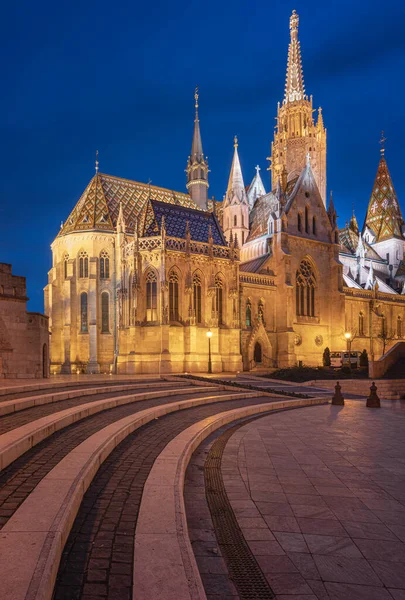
point(349, 239)
point(98, 207)
point(176, 218)
point(384, 216)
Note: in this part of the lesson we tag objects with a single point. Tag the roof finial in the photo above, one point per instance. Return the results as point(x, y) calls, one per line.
point(196, 96)
point(257, 169)
point(382, 142)
point(96, 162)
point(294, 20)
point(235, 141)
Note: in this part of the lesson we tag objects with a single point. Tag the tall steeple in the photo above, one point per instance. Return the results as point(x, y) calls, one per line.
point(294, 84)
point(297, 133)
point(197, 165)
point(384, 217)
point(236, 206)
point(256, 188)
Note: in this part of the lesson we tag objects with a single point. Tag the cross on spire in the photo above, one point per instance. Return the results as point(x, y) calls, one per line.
point(383, 139)
point(257, 169)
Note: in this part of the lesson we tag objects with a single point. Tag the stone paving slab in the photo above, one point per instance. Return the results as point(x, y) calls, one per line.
point(320, 497)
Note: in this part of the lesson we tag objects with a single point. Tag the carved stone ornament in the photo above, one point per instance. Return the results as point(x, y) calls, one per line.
point(319, 340)
point(298, 339)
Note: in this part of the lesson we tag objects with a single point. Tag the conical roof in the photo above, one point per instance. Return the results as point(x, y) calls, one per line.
point(384, 216)
point(235, 193)
point(256, 188)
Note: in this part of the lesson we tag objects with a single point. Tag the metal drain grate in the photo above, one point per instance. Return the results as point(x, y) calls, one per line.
point(243, 568)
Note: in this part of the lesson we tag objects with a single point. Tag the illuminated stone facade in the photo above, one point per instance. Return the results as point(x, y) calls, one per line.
point(140, 274)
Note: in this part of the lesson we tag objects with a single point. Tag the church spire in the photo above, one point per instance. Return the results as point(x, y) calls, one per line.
point(294, 85)
point(384, 217)
point(197, 165)
point(256, 188)
point(236, 207)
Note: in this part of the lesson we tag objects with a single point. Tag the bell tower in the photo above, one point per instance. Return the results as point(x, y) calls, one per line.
point(197, 165)
point(296, 133)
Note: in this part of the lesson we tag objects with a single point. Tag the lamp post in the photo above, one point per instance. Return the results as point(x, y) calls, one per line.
point(209, 336)
point(348, 337)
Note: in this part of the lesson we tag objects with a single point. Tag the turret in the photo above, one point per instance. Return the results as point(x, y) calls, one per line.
point(236, 206)
point(197, 165)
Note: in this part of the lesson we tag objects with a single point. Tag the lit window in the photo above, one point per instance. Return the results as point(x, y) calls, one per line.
point(105, 316)
point(151, 296)
point(104, 265)
point(218, 299)
point(197, 297)
point(173, 296)
point(83, 265)
point(305, 284)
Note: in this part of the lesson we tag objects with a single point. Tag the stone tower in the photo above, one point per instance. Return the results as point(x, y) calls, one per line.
point(197, 165)
point(236, 206)
point(296, 133)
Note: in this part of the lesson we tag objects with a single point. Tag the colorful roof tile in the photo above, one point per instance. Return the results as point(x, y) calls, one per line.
point(98, 207)
point(384, 216)
point(176, 218)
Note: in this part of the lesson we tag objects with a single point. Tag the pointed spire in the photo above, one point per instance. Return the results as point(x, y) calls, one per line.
point(256, 188)
point(384, 217)
point(332, 211)
point(120, 220)
point(294, 85)
point(96, 162)
point(320, 124)
point(370, 278)
point(353, 224)
point(235, 193)
point(197, 165)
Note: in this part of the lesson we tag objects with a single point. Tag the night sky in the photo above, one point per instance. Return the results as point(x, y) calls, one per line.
point(120, 76)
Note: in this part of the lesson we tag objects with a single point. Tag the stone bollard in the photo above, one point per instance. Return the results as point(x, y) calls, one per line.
point(337, 398)
point(373, 401)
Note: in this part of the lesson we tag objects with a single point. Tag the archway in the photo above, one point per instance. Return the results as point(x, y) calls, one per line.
point(257, 354)
point(45, 367)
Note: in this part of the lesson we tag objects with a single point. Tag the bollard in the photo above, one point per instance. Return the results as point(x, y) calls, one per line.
point(337, 398)
point(373, 401)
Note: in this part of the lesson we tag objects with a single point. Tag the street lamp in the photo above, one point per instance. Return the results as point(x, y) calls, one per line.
point(348, 337)
point(209, 336)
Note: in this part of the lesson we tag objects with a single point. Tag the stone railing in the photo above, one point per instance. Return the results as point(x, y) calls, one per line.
point(256, 279)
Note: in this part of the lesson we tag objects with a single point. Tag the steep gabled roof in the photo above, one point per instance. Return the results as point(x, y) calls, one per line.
point(384, 215)
point(349, 240)
point(98, 207)
point(176, 218)
point(255, 265)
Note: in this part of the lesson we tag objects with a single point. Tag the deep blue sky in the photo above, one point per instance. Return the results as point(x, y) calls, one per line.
point(120, 76)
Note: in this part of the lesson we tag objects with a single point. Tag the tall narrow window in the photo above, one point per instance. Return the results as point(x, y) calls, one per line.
point(314, 225)
point(306, 220)
point(104, 265)
point(105, 316)
point(151, 296)
point(65, 266)
point(197, 298)
point(399, 327)
point(383, 326)
point(243, 221)
point(299, 224)
point(248, 314)
point(243, 237)
point(218, 299)
point(83, 313)
point(173, 296)
point(305, 284)
point(361, 324)
point(83, 264)
point(235, 221)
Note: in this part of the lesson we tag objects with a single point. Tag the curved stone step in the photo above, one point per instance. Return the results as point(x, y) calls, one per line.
point(35, 537)
point(164, 563)
point(10, 406)
point(17, 441)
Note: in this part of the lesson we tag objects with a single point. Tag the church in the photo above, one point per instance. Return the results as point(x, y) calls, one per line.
point(149, 280)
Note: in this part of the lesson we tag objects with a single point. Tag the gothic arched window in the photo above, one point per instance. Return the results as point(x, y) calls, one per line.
point(306, 220)
point(314, 225)
point(299, 222)
point(361, 324)
point(105, 313)
point(197, 298)
point(83, 264)
point(104, 265)
point(305, 284)
point(173, 296)
point(248, 314)
point(218, 299)
point(399, 327)
point(151, 296)
point(83, 313)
